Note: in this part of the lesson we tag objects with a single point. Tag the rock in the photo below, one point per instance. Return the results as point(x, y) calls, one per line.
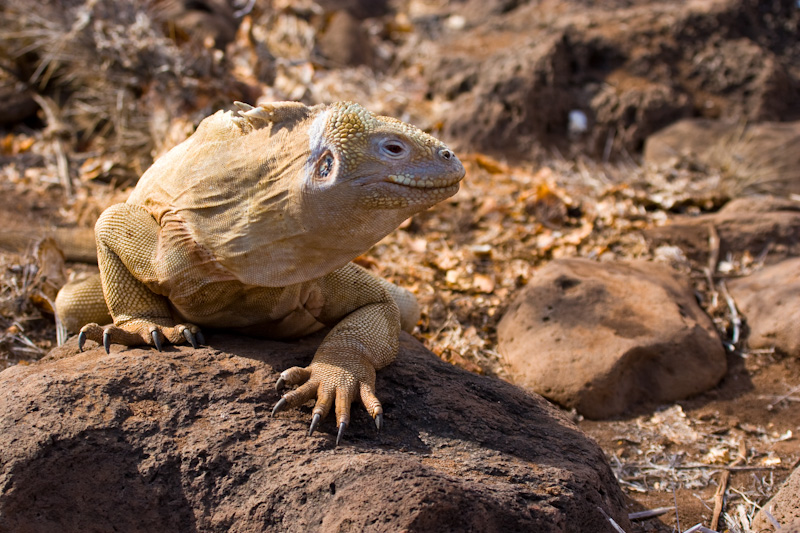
point(199, 20)
point(784, 507)
point(605, 337)
point(685, 140)
point(510, 72)
point(637, 106)
point(360, 9)
point(183, 441)
point(759, 157)
point(756, 225)
point(503, 99)
point(344, 42)
point(16, 103)
point(770, 301)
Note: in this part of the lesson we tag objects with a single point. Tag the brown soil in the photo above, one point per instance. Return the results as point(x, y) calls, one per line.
point(677, 456)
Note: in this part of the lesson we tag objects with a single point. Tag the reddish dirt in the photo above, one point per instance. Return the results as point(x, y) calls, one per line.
point(754, 404)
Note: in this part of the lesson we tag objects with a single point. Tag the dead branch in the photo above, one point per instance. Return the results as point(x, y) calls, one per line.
point(719, 496)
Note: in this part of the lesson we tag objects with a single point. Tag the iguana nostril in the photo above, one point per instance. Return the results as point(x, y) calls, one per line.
point(446, 154)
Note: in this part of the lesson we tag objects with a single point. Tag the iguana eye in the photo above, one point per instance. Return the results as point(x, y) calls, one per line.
point(325, 165)
point(393, 148)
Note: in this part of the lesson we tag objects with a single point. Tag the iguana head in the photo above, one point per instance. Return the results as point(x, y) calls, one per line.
point(285, 193)
point(377, 162)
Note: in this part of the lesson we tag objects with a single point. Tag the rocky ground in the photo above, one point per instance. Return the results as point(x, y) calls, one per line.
point(656, 142)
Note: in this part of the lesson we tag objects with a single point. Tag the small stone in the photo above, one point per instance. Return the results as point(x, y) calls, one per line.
point(784, 507)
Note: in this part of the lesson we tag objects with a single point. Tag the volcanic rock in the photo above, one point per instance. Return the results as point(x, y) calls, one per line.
point(605, 337)
point(770, 302)
point(183, 441)
point(784, 507)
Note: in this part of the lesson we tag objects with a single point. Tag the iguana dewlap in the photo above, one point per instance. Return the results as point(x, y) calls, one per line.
point(251, 224)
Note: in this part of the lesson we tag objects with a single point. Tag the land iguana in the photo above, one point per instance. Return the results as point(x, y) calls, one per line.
point(251, 224)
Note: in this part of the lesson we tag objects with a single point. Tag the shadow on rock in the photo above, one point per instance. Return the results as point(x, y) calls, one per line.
point(91, 481)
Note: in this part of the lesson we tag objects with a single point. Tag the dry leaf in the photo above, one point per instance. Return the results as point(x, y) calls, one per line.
point(483, 283)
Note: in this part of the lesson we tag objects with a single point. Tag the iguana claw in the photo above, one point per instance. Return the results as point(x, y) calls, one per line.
point(280, 384)
point(280, 406)
point(107, 341)
point(156, 339)
point(190, 338)
point(342, 427)
point(379, 421)
point(81, 340)
point(314, 423)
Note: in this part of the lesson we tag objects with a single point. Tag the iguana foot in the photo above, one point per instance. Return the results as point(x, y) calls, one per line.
point(331, 385)
point(140, 332)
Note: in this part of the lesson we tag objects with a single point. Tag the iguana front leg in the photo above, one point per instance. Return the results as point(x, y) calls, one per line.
point(127, 243)
point(364, 339)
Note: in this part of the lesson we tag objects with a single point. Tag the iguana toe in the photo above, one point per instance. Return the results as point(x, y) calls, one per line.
point(331, 386)
point(296, 375)
point(300, 395)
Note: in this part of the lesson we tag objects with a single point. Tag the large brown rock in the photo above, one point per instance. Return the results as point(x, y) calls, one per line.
point(770, 302)
point(784, 507)
point(760, 157)
point(605, 337)
point(183, 441)
point(758, 225)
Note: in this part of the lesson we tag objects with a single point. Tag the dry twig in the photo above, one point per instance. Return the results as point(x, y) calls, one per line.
point(611, 521)
point(650, 513)
point(719, 497)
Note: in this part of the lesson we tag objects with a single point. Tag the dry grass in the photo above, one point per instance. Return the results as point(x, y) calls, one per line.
point(25, 334)
point(749, 165)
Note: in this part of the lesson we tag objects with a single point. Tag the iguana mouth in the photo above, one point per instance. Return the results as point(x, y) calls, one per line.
point(423, 183)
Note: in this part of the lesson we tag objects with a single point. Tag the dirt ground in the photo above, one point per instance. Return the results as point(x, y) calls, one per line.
point(677, 456)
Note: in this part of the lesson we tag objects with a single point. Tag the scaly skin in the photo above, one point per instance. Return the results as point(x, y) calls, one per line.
point(250, 225)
